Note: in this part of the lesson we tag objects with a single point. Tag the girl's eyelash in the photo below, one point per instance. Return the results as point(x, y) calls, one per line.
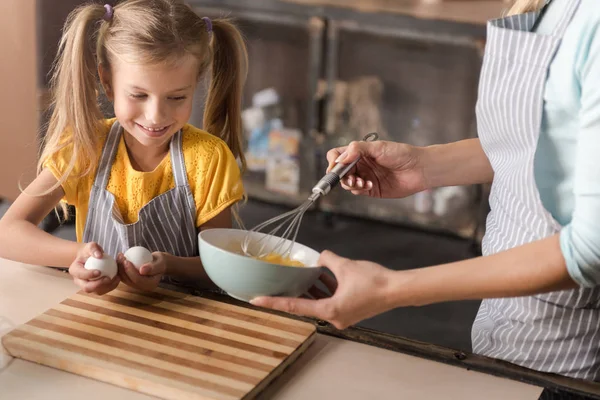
point(140, 96)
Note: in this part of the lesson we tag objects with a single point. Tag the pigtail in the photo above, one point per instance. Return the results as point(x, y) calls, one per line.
point(223, 112)
point(76, 116)
point(523, 6)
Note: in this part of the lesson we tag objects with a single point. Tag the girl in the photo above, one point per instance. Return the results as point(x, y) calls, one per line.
point(145, 178)
point(538, 117)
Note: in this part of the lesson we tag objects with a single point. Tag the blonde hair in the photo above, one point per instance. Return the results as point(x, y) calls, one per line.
point(523, 6)
point(147, 32)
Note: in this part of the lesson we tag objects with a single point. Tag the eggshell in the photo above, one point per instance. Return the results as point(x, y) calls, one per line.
point(138, 256)
point(106, 265)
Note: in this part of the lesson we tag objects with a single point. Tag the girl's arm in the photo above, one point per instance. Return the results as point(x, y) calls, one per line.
point(191, 267)
point(184, 268)
point(20, 238)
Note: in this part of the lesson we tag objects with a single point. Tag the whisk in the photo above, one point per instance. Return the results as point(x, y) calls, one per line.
point(291, 220)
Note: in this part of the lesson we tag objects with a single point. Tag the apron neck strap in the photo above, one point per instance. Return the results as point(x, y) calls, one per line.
point(108, 155)
point(177, 161)
point(567, 16)
point(111, 146)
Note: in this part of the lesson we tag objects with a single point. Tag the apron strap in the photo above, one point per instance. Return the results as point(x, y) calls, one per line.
point(562, 25)
point(177, 161)
point(109, 152)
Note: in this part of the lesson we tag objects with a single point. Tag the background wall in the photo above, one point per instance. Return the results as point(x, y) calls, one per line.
point(18, 99)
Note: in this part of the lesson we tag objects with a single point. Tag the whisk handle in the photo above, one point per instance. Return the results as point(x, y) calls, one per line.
point(334, 176)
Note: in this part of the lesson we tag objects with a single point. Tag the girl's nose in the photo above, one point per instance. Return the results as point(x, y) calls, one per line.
point(155, 111)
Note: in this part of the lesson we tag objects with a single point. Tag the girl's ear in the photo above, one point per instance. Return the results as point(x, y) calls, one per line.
point(105, 80)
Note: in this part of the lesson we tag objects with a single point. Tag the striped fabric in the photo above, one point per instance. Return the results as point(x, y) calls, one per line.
point(556, 332)
point(166, 223)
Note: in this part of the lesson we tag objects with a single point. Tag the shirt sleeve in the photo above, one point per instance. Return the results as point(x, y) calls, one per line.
point(580, 240)
point(220, 184)
point(58, 164)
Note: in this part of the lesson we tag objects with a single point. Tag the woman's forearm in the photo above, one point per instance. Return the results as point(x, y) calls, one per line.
point(454, 164)
point(24, 242)
point(537, 267)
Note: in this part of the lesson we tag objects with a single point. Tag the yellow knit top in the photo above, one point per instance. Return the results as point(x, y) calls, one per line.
point(212, 171)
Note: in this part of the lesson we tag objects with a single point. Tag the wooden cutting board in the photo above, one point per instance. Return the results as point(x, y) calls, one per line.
point(165, 344)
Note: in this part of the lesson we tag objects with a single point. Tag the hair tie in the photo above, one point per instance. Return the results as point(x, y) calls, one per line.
point(109, 12)
point(208, 23)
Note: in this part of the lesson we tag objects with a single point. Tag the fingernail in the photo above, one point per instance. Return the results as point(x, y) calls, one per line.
point(342, 157)
point(96, 273)
point(350, 181)
point(97, 254)
point(369, 185)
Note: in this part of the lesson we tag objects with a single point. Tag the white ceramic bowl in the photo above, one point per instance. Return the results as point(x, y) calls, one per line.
point(245, 278)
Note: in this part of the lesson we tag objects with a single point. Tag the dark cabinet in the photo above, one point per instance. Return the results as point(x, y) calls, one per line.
point(341, 74)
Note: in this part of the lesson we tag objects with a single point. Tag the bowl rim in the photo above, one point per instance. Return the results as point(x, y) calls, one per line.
point(259, 262)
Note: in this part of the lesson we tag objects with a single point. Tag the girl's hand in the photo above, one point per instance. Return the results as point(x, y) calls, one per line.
point(362, 290)
point(86, 279)
point(149, 275)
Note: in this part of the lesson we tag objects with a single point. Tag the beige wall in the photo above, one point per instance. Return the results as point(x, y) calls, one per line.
point(18, 105)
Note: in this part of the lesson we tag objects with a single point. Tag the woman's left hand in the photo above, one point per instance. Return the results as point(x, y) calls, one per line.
point(149, 275)
point(363, 290)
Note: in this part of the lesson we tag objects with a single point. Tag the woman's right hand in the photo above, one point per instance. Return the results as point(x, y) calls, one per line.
point(385, 169)
point(86, 279)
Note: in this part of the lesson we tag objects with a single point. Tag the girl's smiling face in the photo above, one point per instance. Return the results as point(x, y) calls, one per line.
point(152, 102)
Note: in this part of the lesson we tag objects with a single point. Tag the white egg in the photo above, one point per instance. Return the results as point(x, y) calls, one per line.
point(138, 256)
point(106, 265)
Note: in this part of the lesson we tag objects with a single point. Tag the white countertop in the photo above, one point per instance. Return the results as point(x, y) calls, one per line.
point(331, 367)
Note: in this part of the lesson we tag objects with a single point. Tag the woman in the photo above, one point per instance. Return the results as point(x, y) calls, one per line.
point(538, 117)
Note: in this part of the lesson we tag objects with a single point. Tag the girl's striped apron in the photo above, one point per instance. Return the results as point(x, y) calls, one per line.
point(166, 223)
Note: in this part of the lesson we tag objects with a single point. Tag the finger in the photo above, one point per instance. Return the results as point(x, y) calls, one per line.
point(332, 261)
point(152, 269)
point(95, 250)
point(351, 180)
point(317, 293)
point(345, 187)
point(79, 282)
point(78, 271)
point(353, 151)
point(333, 155)
point(124, 275)
point(354, 182)
point(147, 270)
point(290, 305)
point(126, 280)
point(92, 286)
point(140, 281)
point(131, 271)
point(329, 281)
point(110, 287)
point(360, 183)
